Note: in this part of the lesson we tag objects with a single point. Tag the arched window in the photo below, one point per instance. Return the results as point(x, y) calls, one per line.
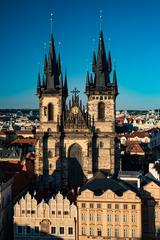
point(101, 110)
point(50, 112)
point(75, 151)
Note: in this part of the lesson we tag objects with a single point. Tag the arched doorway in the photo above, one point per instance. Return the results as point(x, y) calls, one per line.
point(75, 151)
point(75, 171)
point(45, 226)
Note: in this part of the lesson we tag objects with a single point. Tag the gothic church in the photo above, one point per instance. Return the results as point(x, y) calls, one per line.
point(75, 141)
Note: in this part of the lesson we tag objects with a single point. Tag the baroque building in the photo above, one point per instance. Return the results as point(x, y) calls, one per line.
point(109, 208)
point(75, 141)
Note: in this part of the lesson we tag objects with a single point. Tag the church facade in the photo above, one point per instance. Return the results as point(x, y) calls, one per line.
point(75, 141)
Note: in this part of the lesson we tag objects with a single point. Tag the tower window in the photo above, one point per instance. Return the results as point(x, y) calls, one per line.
point(50, 112)
point(101, 110)
point(101, 144)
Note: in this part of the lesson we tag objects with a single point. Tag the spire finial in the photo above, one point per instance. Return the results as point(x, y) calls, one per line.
point(51, 19)
point(101, 19)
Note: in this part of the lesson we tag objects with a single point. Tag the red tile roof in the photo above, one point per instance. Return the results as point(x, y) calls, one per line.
point(24, 132)
point(135, 148)
point(29, 141)
point(139, 134)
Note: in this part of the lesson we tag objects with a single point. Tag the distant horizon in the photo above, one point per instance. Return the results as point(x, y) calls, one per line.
point(121, 110)
point(25, 26)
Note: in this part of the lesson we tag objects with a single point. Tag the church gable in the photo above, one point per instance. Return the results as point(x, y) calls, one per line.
point(76, 115)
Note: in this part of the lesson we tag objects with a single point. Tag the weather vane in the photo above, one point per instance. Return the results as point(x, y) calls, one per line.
point(51, 19)
point(101, 18)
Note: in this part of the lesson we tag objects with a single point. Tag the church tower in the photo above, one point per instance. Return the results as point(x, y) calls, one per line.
point(52, 93)
point(75, 141)
point(102, 93)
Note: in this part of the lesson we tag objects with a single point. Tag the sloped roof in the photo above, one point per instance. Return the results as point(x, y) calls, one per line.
point(102, 182)
point(30, 141)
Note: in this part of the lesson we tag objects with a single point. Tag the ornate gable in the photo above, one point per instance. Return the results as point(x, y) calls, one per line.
point(76, 115)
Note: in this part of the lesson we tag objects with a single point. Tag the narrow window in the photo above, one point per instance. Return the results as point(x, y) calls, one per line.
point(101, 110)
point(99, 231)
point(53, 230)
point(70, 230)
point(50, 112)
point(61, 230)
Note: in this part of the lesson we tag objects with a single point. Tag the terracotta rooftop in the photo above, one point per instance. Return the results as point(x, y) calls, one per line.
point(139, 134)
point(25, 141)
point(24, 132)
point(135, 148)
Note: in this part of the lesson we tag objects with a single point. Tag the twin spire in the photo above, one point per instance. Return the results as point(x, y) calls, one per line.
point(52, 81)
point(101, 67)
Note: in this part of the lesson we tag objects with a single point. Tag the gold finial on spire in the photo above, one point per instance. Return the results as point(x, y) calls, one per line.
point(101, 19)
point(51, 19)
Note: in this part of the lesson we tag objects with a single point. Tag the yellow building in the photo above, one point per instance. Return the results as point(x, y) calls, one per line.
point(108, 208)
point(151, 205)
point(44, 220)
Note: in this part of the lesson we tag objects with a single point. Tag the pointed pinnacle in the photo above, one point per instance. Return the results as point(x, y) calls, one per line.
point(65, 83)
point(109, 62)
point(59, 64)
point(87, 80)
point(45, 63)
point(115, 85)
point(94, 62)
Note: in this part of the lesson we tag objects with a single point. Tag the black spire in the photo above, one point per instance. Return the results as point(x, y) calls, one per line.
point(39, 85)
point(109, 62)
point(61, 81)
point(45, 64)
point(52, 50)
point(43, 82)
point(114, 84)
point(65, 84)
point(91, 79)
point(52, 67)
point(101, 74)
point(59, 64)
point(87, 82)
point(94, 62)
point(101, 58)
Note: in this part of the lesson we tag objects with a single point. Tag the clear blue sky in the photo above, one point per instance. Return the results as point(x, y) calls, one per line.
point(132, 25)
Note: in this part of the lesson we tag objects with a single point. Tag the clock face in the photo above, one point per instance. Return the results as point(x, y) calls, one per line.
point(75, 110)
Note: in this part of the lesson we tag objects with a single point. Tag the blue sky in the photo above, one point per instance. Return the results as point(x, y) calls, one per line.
point(132, 25)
